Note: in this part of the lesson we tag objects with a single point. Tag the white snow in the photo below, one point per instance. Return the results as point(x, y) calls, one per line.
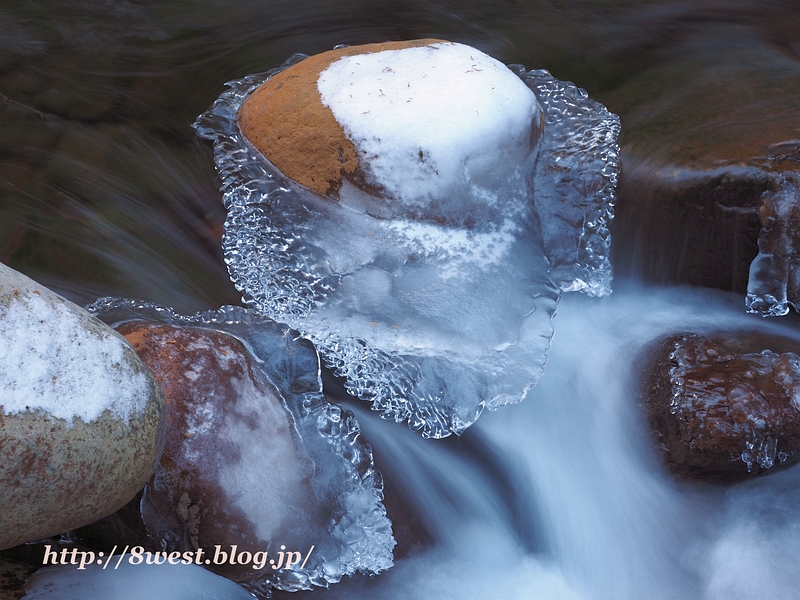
point(51, 361)
point(455, 246)
point(425, 120)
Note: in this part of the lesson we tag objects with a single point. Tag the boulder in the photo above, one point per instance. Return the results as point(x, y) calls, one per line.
point(720, 411)
point(81, 418)
point(402, 121)
point(707, 130)
point(233, 472)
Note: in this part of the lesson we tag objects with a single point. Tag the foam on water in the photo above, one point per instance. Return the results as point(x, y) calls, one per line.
point(611, 523)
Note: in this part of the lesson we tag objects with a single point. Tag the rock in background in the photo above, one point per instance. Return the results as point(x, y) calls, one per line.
point(81, 418)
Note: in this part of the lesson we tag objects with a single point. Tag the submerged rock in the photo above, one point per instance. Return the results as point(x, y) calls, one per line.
point(81, 418)
point(258, 469)
point(719, 413)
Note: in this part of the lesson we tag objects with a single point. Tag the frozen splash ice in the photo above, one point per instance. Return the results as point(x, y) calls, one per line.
point(345, 520)
point(575, 183)
point(430, 322)
point(774, 282)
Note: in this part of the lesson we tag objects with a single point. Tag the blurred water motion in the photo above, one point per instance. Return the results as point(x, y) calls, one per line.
point(105, 190)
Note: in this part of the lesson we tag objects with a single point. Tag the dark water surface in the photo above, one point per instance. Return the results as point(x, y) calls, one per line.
point(106, 190)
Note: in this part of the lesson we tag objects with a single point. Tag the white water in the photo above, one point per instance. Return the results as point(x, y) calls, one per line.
point(609, 522)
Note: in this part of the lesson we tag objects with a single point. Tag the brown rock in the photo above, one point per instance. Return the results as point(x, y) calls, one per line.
point(287, 122)
point(233, 471)
point(721, 415)
point(702, 130)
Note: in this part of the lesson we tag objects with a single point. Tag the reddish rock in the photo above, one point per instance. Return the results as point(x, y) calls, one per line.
point(722, 413)
point(286, 121)
point(233, 471)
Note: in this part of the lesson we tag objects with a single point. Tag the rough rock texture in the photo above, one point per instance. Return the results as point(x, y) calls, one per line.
point(286, 120)
point(59, 473)
point(232, 471)
point(720, 411)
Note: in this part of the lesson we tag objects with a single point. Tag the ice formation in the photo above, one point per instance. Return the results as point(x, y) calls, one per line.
point(431, 314)
point(774, 283)
point(313, 486)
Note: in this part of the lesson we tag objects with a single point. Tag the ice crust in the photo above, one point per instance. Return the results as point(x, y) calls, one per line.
point(774, 282)
point(432, 320)
point(354, 534)
point(428, 121)
point(55, 360)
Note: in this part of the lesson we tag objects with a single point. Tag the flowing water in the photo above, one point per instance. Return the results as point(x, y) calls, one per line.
point(106, 190)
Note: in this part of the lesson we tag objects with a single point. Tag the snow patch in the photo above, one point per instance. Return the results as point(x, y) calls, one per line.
point(429, 119)
point(52, 361)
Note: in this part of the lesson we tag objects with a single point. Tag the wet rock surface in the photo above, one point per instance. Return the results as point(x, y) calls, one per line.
point(256, 461)
point(721, 412)
point(702, 136)
point(81, 419)
point(233, 471)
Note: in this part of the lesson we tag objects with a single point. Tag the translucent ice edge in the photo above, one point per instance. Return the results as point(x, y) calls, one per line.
point(575, 182)
point(282, 270)
point(359, 527)
point(774, 281)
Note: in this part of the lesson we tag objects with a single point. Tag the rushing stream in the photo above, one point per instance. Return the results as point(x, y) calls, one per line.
point(105, 190)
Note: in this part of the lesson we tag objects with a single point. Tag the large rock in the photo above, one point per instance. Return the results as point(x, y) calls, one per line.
point(403, 121)
point(81, 418)
point(287, 121)
point(721, 411)
point(707, 130)
point(256, 463)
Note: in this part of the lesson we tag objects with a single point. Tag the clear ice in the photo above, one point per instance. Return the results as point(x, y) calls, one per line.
point(432, 321)
point(774, 282)
point(344, 519)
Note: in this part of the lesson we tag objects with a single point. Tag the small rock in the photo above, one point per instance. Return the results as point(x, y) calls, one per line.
point(233, 472)
point(81, 419)
point(720, 414)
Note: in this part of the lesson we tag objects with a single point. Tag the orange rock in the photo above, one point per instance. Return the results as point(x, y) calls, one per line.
point(287, 122)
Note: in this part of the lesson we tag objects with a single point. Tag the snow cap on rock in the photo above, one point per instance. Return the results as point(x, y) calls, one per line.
point(410, 122)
